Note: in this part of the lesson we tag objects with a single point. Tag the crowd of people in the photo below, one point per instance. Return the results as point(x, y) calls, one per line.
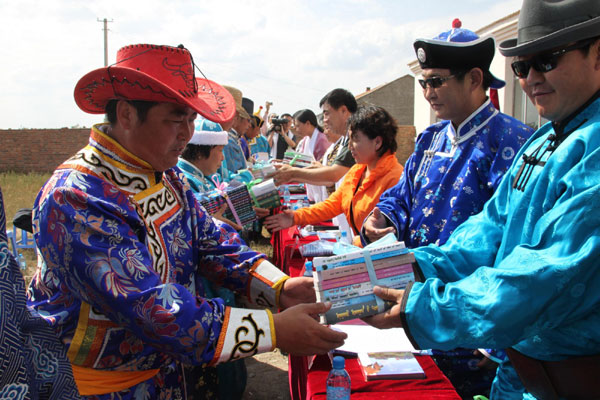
point(139, 290)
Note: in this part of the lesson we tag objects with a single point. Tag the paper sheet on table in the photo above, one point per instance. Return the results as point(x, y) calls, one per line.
point(365, 338)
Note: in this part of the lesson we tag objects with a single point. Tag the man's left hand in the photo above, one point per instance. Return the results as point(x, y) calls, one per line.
point(390, 318)
point(296, 291)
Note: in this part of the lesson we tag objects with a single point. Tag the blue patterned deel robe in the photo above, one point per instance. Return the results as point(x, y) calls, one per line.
point(33, 361)
point(523, 273)
point(123, 248)
point(451, 174)
point(259, 144)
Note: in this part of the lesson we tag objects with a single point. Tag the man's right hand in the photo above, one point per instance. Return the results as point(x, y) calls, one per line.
point(298, 332)
point(376, 226)
point(284, 174)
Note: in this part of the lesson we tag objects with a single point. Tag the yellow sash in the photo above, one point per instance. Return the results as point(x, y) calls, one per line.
point(95, 382)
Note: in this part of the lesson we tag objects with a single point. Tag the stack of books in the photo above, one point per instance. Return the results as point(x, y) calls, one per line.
point(262, 171)
point(265, 194)
point(347, 280)
point(296, 159)
point(239, 198)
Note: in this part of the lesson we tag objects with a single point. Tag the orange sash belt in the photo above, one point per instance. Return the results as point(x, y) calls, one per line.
point(95, 382)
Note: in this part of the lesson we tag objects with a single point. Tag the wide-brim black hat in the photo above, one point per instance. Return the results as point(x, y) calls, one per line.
point(548, 24)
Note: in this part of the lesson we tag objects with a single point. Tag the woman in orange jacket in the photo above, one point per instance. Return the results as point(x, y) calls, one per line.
point(373, 145)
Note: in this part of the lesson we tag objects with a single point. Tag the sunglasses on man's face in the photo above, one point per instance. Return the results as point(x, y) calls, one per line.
point(545, 62)
point(434, 82)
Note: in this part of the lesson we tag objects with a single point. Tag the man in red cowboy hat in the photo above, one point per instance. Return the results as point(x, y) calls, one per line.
point(123, 244)
point(523, 273)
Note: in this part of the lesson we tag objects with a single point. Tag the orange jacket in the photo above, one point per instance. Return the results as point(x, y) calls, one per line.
point(385, 175)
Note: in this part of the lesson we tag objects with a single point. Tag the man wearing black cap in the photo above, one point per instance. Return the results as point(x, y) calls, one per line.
point(523, 273)
point(457, 165)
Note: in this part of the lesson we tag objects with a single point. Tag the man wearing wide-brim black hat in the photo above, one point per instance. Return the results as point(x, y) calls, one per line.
point(523, 273)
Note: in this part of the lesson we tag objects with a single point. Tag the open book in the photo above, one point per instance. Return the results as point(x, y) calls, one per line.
point(390, 365)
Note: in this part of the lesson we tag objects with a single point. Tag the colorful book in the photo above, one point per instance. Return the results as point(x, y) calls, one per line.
point(347, 280)
point(390, 365)
point(265, 194)
point(240, 199)
point(299, 160)
point(263, 170)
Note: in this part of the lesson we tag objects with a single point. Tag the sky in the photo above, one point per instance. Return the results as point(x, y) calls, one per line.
point(288, 52)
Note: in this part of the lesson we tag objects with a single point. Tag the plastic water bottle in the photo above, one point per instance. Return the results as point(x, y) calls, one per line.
point(338, 381)
point(305, 202)
point(287, 197)
point(308, 269)
point(22, 262)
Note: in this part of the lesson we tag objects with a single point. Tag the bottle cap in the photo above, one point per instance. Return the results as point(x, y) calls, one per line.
point(308, 266)
point(339, 362)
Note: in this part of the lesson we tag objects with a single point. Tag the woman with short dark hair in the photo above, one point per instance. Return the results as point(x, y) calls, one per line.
point(373, 145)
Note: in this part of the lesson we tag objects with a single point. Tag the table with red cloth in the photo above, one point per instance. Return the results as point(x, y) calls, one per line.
point(434, 386)
point(286, 253)
point(309, 384)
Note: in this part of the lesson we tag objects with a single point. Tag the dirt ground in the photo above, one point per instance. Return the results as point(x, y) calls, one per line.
point(267, 377)
point(267, 372)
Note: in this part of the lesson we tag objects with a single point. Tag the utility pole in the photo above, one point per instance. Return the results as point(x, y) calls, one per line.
point(106, 21)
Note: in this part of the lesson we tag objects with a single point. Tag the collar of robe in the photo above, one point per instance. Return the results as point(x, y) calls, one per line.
point(549, 145)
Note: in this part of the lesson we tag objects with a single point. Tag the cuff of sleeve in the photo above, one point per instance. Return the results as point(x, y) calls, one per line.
point(403, 316)
point(390, 222)
point(266, 282)
point(363, 236)
point(244, 333)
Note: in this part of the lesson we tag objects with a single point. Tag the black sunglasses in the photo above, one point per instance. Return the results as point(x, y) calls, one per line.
point(545, 62)
point(434, 82)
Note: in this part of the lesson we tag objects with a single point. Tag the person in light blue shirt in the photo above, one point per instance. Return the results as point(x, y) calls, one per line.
point(257, 142)
point(201, 159)
point(235, 160)
point(523, 273)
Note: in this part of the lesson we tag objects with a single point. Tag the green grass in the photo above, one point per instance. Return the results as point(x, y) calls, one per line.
point(19, 191)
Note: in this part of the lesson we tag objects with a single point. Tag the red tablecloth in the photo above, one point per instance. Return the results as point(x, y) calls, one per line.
point(310, 384)
point(434, 386)
point(286, 255)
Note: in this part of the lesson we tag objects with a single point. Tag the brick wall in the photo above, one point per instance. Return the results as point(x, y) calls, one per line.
point(42, 150)
point(406, 142)
point(397, 97)
point(39, 150)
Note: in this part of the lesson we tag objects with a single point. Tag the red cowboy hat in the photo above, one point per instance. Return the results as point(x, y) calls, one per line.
point(154, 73)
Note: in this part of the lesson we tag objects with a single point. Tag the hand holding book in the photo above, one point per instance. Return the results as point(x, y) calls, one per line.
point(348, 280)
point(389, 318)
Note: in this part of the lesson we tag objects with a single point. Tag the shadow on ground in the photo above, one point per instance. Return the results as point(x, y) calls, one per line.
point(267, 377)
